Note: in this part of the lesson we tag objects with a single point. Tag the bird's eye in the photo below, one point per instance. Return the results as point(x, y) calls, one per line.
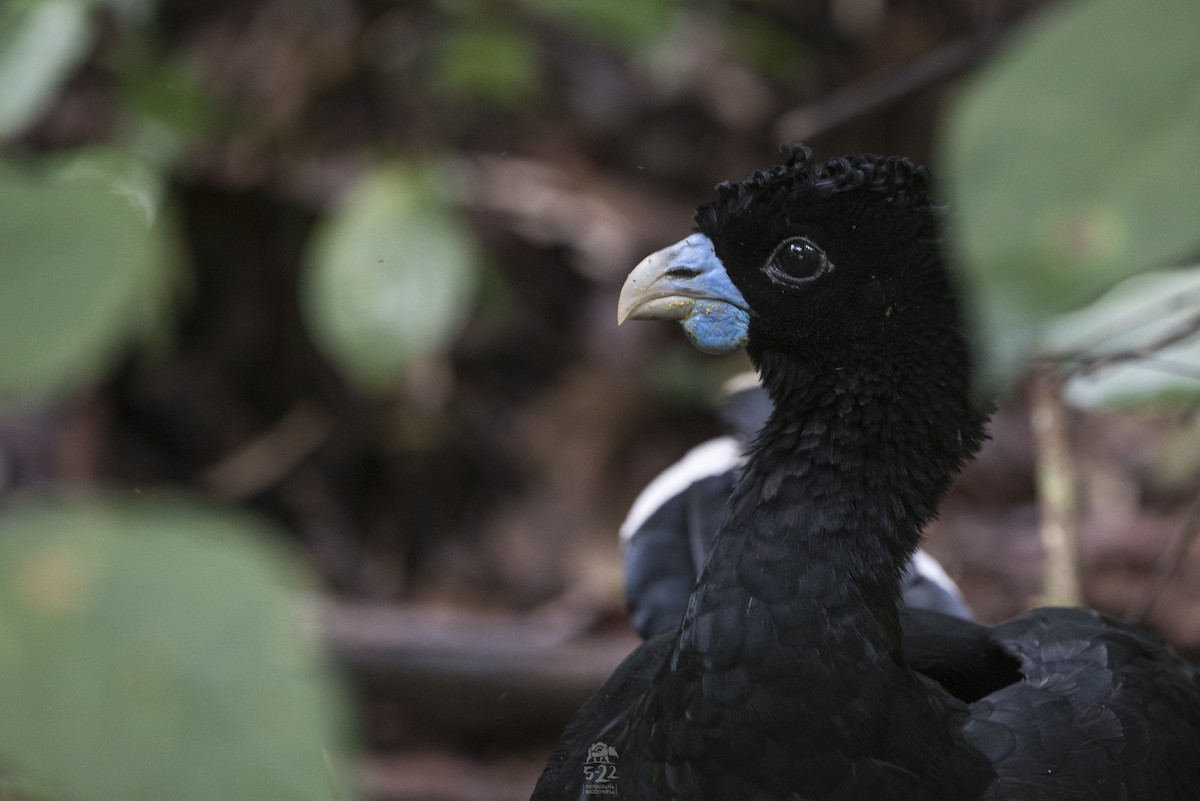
point(797, 260)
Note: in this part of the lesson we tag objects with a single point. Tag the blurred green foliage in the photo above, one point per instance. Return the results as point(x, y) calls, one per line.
point(149, 648)
point(40, 42)
point(155, 649)
point(389, 274)
point(624, 23)
point(1135, 345)
point(489, 59)
point(1073, 161)
point(83, 248)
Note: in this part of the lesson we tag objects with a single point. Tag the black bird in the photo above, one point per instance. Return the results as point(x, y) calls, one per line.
point(786, 678)
point(670, 528)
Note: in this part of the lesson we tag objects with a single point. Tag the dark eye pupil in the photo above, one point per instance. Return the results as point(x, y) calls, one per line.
point(800, 259)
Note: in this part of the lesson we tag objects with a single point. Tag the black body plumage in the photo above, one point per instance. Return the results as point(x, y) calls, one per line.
point(786, 679)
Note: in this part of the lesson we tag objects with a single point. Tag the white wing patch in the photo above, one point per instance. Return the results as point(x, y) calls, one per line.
point(925, 565)
point(711, 458)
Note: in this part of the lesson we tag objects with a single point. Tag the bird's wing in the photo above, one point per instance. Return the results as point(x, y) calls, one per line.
point(1105, 711)
point(962, 656)
point(669, 529)
point(928, 586)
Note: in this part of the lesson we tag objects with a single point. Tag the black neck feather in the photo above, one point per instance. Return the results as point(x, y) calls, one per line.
point(798, 604)
point(840, 482)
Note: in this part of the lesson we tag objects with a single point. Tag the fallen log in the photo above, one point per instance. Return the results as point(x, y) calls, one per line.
point(473, 674)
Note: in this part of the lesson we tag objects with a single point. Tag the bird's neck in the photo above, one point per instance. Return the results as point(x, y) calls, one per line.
point(819, 528)
point(802, 586)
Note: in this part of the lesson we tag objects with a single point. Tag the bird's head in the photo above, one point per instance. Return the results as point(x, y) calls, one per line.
point(832, 276)
point(823, 261)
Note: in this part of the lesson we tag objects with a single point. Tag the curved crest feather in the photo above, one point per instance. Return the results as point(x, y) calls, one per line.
point(895, 177)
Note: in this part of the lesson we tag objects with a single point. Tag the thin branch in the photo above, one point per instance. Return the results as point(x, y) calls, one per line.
point(1168, 563)
point(1158, 364)
point(1058, 489)
point(1147, 314)
point(875, 91)
point(268, 457)
point(1085, 365)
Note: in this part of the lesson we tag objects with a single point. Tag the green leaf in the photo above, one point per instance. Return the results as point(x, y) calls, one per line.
point(772, 49)
point(623, 23)
point(41, 41)
point(1155, 315)
point(1073, 161)
point(82, 251)
point(157, 650)
point(114, 173)
point(166, 102)
point(493, 61)
point(388, 276)
point(130, 10)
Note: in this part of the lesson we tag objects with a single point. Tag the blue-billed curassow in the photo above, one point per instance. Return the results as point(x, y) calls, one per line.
point(786, 678)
